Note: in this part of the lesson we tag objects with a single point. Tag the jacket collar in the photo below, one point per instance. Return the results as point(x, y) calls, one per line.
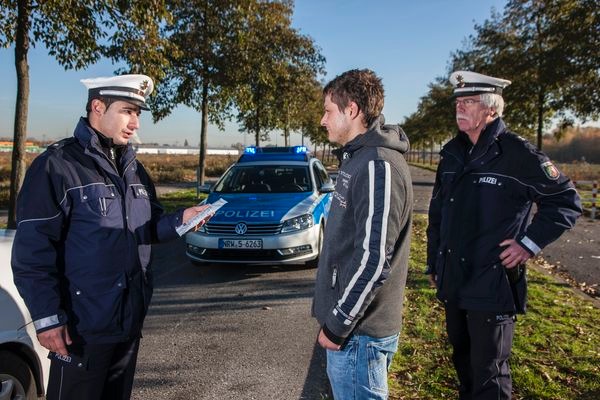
point(90, 141)
point(488, 137)
point(359, 141)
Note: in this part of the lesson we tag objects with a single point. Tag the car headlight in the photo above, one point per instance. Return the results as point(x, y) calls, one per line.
point(202, 229)
point(296, 224)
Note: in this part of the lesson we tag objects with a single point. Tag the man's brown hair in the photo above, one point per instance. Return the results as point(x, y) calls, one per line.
point(361, 86)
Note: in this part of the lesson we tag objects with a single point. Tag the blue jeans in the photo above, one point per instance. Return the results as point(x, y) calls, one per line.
point(359, 370)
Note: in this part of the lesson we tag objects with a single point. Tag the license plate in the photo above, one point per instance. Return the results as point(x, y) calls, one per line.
point(249, 244)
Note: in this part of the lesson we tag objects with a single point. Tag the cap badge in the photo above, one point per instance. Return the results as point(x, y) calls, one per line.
point(144, 85)
point(460, 81)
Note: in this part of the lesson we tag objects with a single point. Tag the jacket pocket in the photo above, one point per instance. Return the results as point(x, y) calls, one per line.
point(489, 286)
point(101, 204)
point(140, 207)
point(439, 268)
point(98, 304)
point(334, 277)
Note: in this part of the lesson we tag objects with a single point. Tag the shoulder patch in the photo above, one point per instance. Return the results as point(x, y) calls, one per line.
point(550, 170)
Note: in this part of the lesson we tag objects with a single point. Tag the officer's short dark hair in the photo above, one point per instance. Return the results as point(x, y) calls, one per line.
point(361, 86)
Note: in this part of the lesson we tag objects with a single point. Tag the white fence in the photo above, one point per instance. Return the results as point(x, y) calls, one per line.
point(593, 196)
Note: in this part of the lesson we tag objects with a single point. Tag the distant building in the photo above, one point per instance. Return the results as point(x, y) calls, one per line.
point(6, 146)
point(142, 149)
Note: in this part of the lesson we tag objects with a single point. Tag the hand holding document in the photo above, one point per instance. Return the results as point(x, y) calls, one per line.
point(203, 215)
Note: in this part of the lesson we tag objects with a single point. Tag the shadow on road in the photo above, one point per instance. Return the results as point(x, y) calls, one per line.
point(316, 384)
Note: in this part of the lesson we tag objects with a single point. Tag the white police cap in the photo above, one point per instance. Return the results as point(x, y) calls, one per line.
point(467, 83)
point(133, 89)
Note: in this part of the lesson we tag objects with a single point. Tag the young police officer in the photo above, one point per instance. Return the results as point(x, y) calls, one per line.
point(479, 235)
point(87, 215)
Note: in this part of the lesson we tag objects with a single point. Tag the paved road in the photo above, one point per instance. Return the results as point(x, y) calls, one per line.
point(229, 332)
point(422, 186)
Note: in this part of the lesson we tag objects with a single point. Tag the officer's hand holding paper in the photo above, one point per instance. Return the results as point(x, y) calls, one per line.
point(195, 217)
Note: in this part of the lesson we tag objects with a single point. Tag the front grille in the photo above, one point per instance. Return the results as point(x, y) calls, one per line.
point(250, 255)
point(253, 229)
point(243, 254)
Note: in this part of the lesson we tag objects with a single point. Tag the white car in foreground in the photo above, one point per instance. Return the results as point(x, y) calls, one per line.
point(24, 364)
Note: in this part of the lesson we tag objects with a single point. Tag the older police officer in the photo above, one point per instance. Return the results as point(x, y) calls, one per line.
point(87, 215)
point(479, 235)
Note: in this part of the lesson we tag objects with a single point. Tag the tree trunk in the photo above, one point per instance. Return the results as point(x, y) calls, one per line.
point(257, 122)
point(286, 131)
point(540, 122)
point(17, 172)
point(203, 134)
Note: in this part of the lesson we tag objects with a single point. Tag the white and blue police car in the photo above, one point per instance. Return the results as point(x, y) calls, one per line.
point(278, 199)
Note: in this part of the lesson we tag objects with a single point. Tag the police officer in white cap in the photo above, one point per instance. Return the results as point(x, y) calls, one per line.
point(480, 234)
point(87, 215)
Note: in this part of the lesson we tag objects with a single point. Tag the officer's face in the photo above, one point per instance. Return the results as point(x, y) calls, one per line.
point(337, 122)
point(119, 121)
point(471, 114)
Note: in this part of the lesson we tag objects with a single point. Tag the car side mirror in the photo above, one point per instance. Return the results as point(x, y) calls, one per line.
point(205, 188)
point(327, 187)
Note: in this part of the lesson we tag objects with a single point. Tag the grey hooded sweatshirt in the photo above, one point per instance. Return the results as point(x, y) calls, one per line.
point(363, 266)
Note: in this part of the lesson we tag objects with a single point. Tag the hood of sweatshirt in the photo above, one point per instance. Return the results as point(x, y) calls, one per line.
point(378, 135)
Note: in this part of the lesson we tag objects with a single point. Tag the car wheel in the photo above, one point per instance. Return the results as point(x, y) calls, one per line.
point(315, 263)
point(16, 378)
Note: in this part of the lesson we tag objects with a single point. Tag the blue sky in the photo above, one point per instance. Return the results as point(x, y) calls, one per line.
point(407, 43)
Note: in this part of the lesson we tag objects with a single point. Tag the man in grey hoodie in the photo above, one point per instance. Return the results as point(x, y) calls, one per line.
point(362, 270)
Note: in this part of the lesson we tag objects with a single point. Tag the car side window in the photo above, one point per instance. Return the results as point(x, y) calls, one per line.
point(320, 174)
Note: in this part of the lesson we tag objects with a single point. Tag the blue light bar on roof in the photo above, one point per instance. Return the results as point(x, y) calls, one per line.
point(250, 150)
point(300, 149)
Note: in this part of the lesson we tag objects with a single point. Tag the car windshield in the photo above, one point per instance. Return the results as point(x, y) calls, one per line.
point(265, 179)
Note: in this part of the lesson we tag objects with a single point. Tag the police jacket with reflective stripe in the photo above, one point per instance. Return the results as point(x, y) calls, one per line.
point(482, 196)
point(81, 252)
point(363, 266)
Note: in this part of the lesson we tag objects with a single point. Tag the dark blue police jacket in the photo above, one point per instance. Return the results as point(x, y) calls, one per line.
point(483, 195)
point(81, 254)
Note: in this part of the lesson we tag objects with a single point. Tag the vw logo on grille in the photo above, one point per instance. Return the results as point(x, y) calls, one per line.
point(241, 228)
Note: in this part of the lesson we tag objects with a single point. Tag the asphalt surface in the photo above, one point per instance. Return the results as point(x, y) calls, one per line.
point(229, 332)
point(243, 332)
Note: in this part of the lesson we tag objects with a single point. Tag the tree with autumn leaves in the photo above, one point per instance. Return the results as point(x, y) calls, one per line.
point(220, 57)
point(548, 49)
point(238, 58)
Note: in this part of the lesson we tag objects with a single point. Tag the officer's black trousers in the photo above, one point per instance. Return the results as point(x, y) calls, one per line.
point(481, 342)
point(94, 372)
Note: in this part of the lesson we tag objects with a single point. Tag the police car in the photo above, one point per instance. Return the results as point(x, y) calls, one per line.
point(278, 199)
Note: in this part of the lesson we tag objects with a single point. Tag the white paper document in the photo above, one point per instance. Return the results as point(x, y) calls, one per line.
point(208, 212)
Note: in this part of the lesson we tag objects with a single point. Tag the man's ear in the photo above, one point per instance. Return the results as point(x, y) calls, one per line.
point(354, 110)
point(98, 107)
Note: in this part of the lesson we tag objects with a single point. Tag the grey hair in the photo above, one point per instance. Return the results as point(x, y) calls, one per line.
point(494, 101)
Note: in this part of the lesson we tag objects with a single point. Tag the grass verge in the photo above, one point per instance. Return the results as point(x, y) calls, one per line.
point(181, 198)
point(556, 352)
point(426, 166)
